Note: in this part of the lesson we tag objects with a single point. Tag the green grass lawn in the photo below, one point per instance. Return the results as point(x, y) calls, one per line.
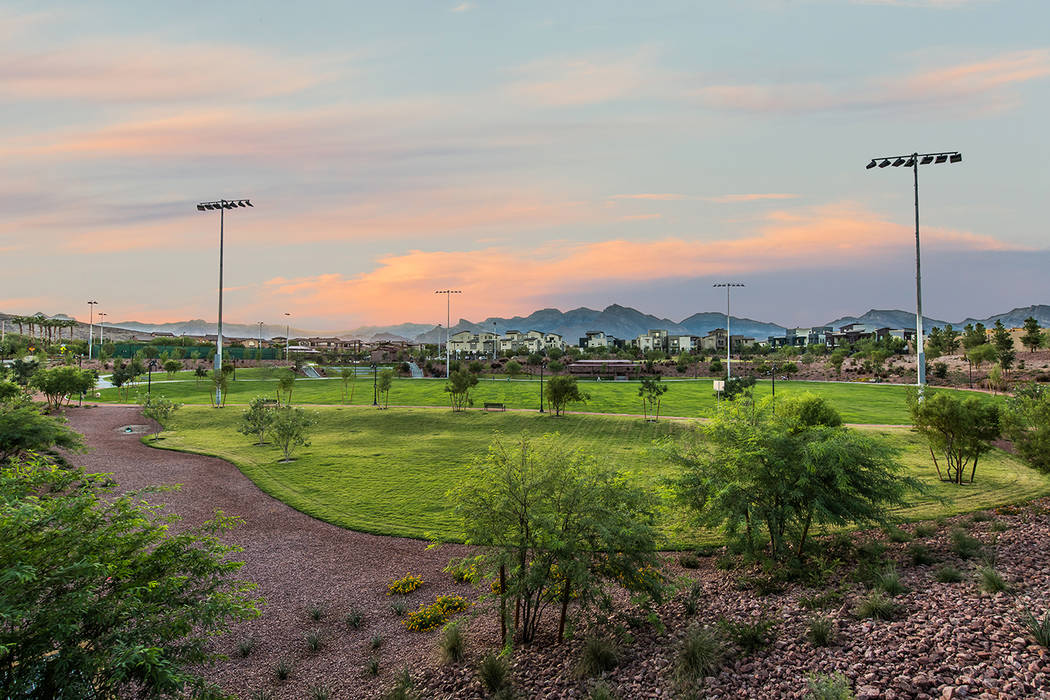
point(387, 472)
point(857, 403)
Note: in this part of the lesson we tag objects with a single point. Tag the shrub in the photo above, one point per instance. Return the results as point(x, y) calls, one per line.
point(261, 695)
point(822, 600)
point(1038, 627)
point(991, 580)
point(314, 641)
point(751, 635)
point(462, 571)
point(451, 604)
point(282, 669)
point(980, 517)
point(998, 526)
point(833, 687)
point(494, 672)
point(948, 574)
point(402, 688)
point(920, 554)
point(598, 655)
point(320, 692)
point(398, 608)
point(820, 631)
point(426, 618)
point(452, 643)
point(889, 582)
point(372, 667)
point(353, 618)
point(246, 646)
point(726, 562)
point(316, 612)
point(404, 586)
point(925, 530)
point(376, 641)
point(700, 654)
point(601, 691)
point(689, 561)
point(895, 534)
point(964, 545)
point(877, 606)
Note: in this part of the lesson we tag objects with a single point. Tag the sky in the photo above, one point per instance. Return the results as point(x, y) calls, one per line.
point(532, 155)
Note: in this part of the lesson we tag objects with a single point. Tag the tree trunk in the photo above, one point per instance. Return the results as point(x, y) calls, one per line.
point(503, 604)
point(564, 610)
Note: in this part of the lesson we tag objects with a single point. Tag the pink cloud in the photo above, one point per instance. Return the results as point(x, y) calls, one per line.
point(583, 80)
point(655, 196)
point(757, 197)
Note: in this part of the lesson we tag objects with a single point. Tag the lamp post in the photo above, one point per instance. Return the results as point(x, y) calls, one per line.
point(913, 161)
point(260, 340)
point(375, 385)
point(448, 320)
point(101, 329)
point(729, 336)
point(222, 205)
point(542, 365)
point(287, 333)
point(91, 327)
point(149, 377)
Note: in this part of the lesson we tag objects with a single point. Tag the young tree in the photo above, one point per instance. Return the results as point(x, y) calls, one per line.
point(348, 375)
point(171, 367)
point(59, 383)
point(385, 382)
point(22, 369)
point(290, 429)
point(221, 384)
point(1033, 334)
point(651, 390)
point(1026, 423)
point(24, 429)
point(513, 370)
point(160, 410)
point(949, 340)
point(285, 384)
point(838, 356)
point(974, 335)
point(103, 599)
point(738, 386)
point(458, 387)
point(934, 344)
point(200, 373)
point(555, 526)
point(1004, 346)
point(562, 390)
point(120, 378)
point(978, 355)
point(257, 419)
point(960, 429)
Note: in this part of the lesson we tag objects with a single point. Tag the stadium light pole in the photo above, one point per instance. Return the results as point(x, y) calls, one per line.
point(913, 161)
point(91, 327)
point(222, 205)
point(260, 339)
point(287, 334)
point(448, 319)
point(101, 329)
point(729, 336)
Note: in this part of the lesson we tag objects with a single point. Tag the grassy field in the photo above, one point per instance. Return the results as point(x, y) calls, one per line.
point(857, 403)
point(387, 471)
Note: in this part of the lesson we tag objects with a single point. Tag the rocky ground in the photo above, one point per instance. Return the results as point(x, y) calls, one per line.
point(949, 640)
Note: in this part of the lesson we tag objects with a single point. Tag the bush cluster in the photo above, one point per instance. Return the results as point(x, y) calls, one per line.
point(404, 586)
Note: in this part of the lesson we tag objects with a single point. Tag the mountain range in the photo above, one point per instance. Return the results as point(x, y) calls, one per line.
point(620, 321)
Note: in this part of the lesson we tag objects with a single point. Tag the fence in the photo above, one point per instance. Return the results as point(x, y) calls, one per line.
point(201, 352)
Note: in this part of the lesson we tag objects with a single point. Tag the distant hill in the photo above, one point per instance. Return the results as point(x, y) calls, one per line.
point(887, 318)
point(1015, 317)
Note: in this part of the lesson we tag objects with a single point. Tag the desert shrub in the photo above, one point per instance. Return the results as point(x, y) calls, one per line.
point(980, 517)
point(998, 526)
point(494, 672)
point(451, 604)
point(965, 545)
point(601, 691)
point(833, 687)
point(452, 645)
point(402, 688)
point(398, 607)
point(750, 635)
point(700, 654)
point(316, 612)
point(405, 585)
point(376, 641)
point(353, 618)
point(372, 667)
point(246, 646)
point(282, 669)
point(920, 554)
point(821, 631)
point(991, 581)
point(314, 642)
point(597, 656)
point(895, 534)
point(877, 606)
point(820, 601)
point(426, 618)
point(689, 561)
point(925, 530)
point(464, 571)
point(947, 574)
point(889, 582)
point(1038, 627)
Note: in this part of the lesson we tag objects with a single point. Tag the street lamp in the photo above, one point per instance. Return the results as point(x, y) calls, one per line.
point(375, 385)
point(287, 334)
point(260, 340)
point(149, 376)
point(448, 319)
point(91, 327)
point(913, 161)
point(543, 364)
point(222, 205)
point(729, 337)
point(101, 329)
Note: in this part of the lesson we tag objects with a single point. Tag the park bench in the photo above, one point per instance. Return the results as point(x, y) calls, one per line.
point(489, 406)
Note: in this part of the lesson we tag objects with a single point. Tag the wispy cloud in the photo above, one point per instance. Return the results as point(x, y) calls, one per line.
point(756, 197)
point(656, 196)
point(585, 79)
point(463, 7)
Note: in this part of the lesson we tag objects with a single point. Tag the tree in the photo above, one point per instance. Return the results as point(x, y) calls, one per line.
point(120, 378)
point(24, 429)
point(285, 384)
point(290, 429)
point(767, 480)
point(171, 367)
point(59, 383)
point(838, 356)
point(974, 335)
point(1004, 346)
point(651, 390)
point(996, 380)
point(200, 373)
point(1033, 334)
point(738, 386)
point(257, 419)
point(23, 368)
point(556, 526)
point(220, 384)
point(978, 355)
point(960, 429)
point(102, 599)
point(458, 387)
point(160, 410)
point(349, 377)
point(385, 382)
point(1026, 423)
point(9, 391)
point(513, 370)
point(934, 343)
point(949, 340)
point(562, 390)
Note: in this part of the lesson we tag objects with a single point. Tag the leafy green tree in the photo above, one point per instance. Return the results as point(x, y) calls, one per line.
point(171, 367)
point(974, 335)
point(563, 390)
point(738, 387)
point(1004, 346)
point(554, 367)
point(201, 372)
point(285, 384)
point(555, 526)
point(960, 429)
point(220, 383)
point(768, 480)
point(23, 368)
point(385, 382)
point(348, 375)
point(290, 429)
point(837, 357)
point(9, 391)
point(513, 369)
point(1033, 334)
point(257, 419)
point(149, 352)
point(59, 383)
point(716, 367)
point(160, 410)
point(651, 391)
point(978, 355)
point(24, 429)
point(102, 599)
point(1026, 423)
point(458, 387)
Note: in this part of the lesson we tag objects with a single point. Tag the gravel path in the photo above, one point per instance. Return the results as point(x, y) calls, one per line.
point(297, 562)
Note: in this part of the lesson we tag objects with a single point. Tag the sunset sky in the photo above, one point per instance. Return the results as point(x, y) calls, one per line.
point(540, 154)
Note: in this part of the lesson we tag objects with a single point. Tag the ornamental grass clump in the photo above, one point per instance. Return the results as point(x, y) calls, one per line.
point(925, 530)
point(947, 574)
point(452, 644)
point(920, 554)
point(597, 656)
point(889, 582)
point(991, 580)
point(877, 606)
point(833, 687)
point(404, 586)
point(699, 655)
point(494, 672)
point(965, 545)
point(1038, 627)
point(353, 618)
point(821, 633)
point(750, 635)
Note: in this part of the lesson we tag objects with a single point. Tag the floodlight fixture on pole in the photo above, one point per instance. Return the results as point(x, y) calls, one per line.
point(101, 329)
point(260, 339)
point(913, 161)
point(448, 319)
point(222, 205)
point(729, 337)
point(91, 327)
